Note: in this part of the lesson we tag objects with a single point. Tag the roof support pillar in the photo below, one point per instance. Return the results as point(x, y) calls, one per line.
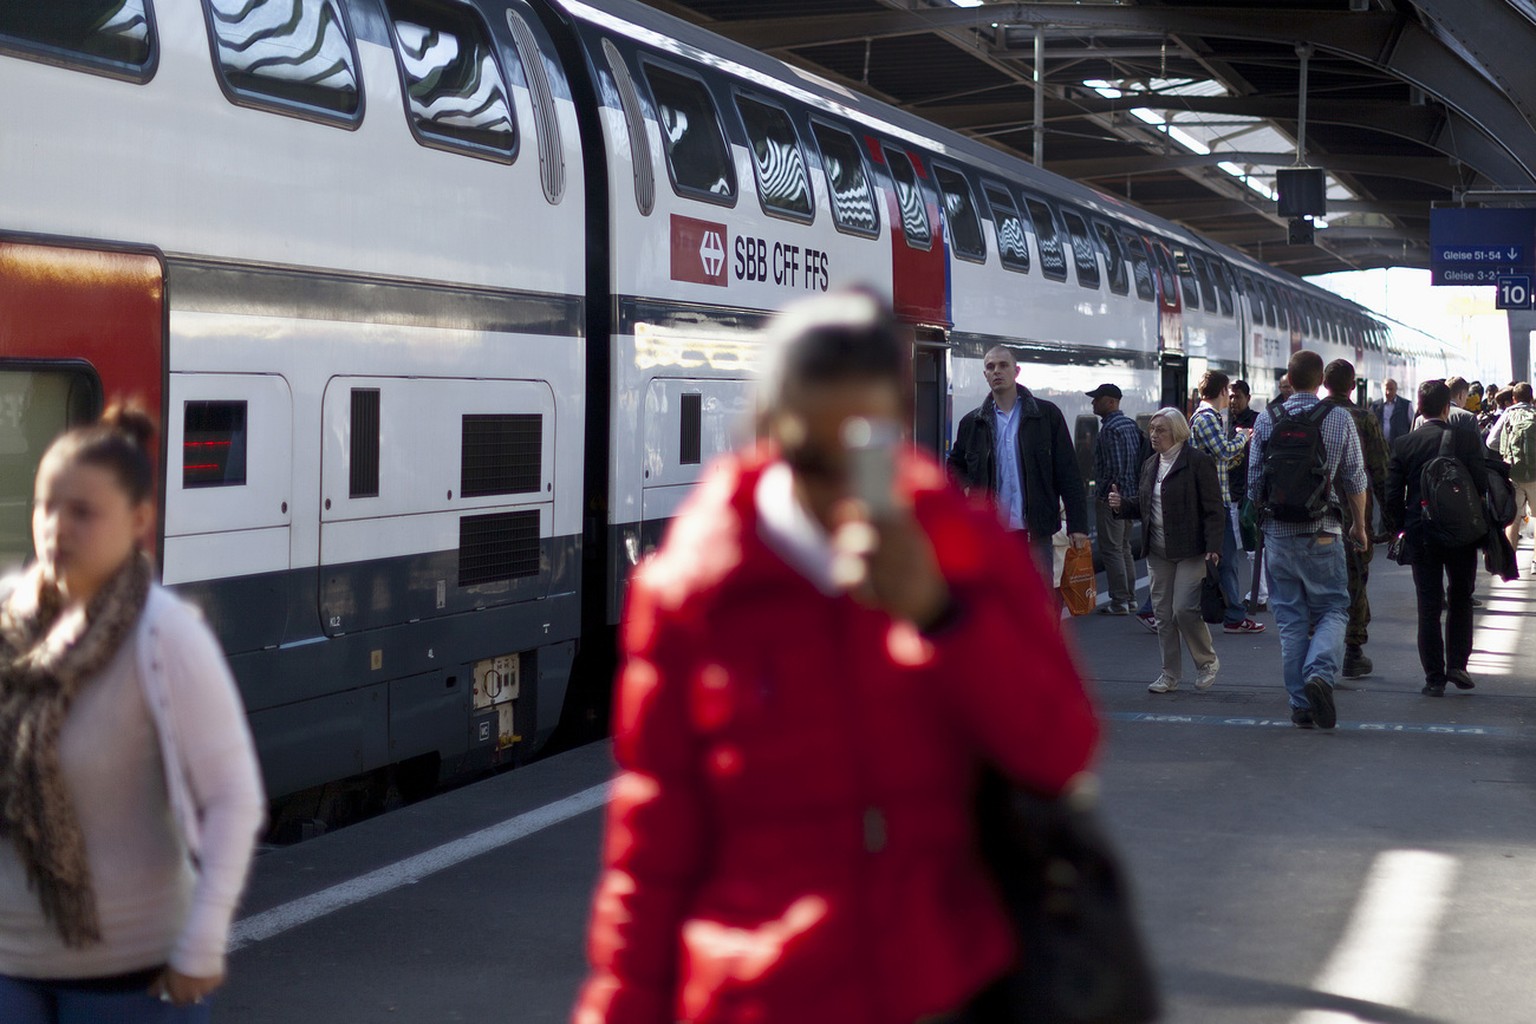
point(1039, 95)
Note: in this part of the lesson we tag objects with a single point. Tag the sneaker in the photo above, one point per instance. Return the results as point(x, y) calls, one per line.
point(1356, 664)
point(1206, 676)
point(1149, 620)
point(1301, 718)
point(1460, 678)
point(1162, 684)
point(1320, 694)
point(1433, 690)
point(1476, 603)
point(1246, 626)
point(1115, 608)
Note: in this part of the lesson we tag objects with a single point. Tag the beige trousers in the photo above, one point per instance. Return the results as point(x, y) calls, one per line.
point(1176, 603)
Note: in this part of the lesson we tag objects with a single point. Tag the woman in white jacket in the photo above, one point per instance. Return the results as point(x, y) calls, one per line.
point(130, 798)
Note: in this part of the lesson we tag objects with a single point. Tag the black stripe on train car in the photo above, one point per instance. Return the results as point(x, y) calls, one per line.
point(967, 345)
point(206, 286)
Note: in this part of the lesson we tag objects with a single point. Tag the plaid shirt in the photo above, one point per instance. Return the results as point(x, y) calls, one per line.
point(1210, 436)
point(1346, 467)
point(1114, 456)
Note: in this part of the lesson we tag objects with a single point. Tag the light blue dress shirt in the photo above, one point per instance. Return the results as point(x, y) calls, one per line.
point(1010, 489)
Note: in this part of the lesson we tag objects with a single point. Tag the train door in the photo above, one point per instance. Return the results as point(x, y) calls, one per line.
point(1175, 384)
point(930, 392)
point(79, 328)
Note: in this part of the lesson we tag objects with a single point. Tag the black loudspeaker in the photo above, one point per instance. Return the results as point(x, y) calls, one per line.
point(1301, 232)
point(1303, 191)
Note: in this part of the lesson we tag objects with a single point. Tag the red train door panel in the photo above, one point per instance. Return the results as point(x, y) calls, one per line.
point(78, 327)
point(920, 264)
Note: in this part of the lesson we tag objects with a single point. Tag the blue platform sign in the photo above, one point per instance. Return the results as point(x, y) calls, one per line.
point(1480, 246)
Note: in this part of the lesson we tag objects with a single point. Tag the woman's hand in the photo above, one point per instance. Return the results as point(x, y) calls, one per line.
point(171, 986)
point(1115, 501)
point(889, 564)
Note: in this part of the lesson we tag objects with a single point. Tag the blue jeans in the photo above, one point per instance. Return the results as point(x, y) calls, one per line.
point(29, 1001)
point(1231, 590)
point(1308, 591)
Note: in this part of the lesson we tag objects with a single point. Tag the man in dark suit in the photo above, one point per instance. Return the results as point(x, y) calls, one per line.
point(1394, 413)
point(1444, 658)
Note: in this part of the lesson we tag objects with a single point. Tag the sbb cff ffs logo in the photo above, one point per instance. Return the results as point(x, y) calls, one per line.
point(700, 251)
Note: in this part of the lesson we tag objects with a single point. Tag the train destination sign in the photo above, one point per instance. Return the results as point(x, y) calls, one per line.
point(1481, 246)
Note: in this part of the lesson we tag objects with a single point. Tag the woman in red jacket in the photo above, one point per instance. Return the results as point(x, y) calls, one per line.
point(806, 697)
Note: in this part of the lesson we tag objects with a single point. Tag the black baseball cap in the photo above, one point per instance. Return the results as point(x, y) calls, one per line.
point(1105, 390)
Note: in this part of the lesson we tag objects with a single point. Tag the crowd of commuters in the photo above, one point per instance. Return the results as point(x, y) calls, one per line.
point(1204, 492)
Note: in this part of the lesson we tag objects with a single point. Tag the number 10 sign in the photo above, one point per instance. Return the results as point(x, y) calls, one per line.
point(1514, 292)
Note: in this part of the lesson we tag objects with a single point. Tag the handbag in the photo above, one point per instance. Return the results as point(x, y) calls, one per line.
point(1082, 959)
point(1213, 603)
point(1077, 582)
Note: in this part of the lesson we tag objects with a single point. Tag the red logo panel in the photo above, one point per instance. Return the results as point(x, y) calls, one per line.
point(699, 251)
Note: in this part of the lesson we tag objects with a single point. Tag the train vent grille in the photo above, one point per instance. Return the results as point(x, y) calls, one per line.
point(501, 454)
point(639, 141)
point(364, 482)
point(551, 152)
point(497, 547)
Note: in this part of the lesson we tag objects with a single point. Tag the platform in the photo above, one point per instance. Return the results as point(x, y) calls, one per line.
point(1385, 871)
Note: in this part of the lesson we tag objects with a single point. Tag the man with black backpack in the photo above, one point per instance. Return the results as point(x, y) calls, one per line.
point(1436, 481)
point(1302, 455)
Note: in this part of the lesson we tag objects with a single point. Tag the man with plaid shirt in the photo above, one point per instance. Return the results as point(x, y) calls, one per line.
point(1210, 435)
point(1308, 577)
point(1117, 458)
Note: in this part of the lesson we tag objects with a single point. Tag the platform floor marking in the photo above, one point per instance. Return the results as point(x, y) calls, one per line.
point(279, 919)
point(1276, 721)
point(1380, 958)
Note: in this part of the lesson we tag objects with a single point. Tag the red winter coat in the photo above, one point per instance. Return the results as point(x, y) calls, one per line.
point(789, 838)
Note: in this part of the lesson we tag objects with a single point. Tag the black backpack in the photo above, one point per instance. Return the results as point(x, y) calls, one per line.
point(1293, 483)
point(1452, 509)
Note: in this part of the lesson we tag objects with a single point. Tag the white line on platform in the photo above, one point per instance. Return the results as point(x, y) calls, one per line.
point(268, 923)
point(1380, 959)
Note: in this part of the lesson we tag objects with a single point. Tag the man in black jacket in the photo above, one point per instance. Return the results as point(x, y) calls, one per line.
point(1017, 448)
point(1443, 658)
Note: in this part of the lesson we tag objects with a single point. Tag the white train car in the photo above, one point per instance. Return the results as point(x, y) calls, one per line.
point(445, 304)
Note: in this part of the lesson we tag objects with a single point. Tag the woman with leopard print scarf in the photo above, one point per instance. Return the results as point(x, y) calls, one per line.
point(130, 798)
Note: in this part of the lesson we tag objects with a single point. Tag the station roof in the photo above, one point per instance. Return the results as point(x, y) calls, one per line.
point(1188, 107)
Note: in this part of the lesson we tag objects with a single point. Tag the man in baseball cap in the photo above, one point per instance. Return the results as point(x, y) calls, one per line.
point(1116, 461)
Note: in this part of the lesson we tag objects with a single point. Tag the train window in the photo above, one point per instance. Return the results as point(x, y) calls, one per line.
point(1308, 315)
point(1114, 258)
point(634, 124)
point(455, 94)
point(213, 444)
point(1207, 281)
point(292, 58)
point(697, 157)
point(909, 198)
point(1186, 278)
point(364, 464)
point(1167, 277)
point(1082, 249)
point(110, 37)
point(1012, 249)
point(1223, 285)
point(961, 220)
point(1271, 303)
point(853, 203)
point(782, 183)
point(1053, 264)
point(501, 454)
point(1141, 268)
point(37, 404)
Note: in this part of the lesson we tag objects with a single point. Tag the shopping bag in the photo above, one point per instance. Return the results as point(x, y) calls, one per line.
point(1077, 583)
point(1213, 604)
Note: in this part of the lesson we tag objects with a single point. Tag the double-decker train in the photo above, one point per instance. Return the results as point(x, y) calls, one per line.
point(444, 305)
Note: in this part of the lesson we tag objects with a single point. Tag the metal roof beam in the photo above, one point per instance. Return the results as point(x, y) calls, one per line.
point(1384, 41)
point(1428, 170)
